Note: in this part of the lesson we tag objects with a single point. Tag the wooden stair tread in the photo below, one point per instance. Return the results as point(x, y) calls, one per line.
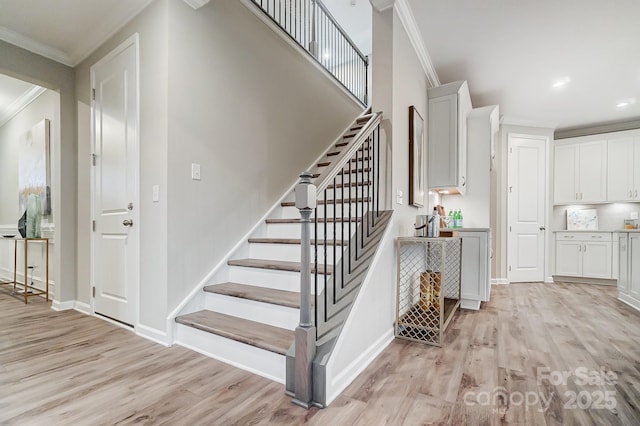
point(346, 185)
point(320, 220)
point(331, 154)
point(263, 336)
point(277, 265)
point(368, 169)
point(294, 241)
point(326, 163)
point(322, 202)
point(259, 294)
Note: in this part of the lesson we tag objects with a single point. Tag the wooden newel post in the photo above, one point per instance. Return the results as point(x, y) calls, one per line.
point(305, 332)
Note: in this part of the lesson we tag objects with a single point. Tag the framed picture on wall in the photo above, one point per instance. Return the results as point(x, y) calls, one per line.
point(417, 158)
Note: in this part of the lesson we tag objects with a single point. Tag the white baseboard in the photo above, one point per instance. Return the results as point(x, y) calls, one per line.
point(628, 300)
point(82, 307)
point(549, 280)
point(357, 366)
point(63, 306)
point(473, 305)
point(499, 281)
point(152, 334)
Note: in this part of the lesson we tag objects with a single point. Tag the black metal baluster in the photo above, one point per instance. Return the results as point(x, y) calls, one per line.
point(349, 219)
point(335, 218)
point(325, 255)
point(341, 229)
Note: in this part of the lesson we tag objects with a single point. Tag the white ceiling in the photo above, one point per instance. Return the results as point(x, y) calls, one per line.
point(511, 52)
point(64, 30)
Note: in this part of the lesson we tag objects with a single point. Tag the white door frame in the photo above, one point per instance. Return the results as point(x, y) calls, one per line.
point(132, 40)
point(547, 201)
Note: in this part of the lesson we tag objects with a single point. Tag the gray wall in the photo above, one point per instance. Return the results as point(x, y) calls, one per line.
point(218, 88)
point(253, 113)
point(19, 63)
point(151, 25)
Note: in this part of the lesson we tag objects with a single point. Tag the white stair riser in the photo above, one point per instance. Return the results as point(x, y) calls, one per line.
point(292, 230)
point(288, 252)
point(268, 278)
point(258, 361)
point(292, 212)
point(266, 313)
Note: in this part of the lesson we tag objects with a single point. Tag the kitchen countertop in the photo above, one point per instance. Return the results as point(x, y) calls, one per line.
point(465, 229)
point(599, 230)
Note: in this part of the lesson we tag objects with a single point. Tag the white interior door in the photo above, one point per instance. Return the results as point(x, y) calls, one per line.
point(526, 208)
point(115, 184)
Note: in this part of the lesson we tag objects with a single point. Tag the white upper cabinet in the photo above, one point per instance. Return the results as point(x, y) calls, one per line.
point(449, 106)
point(623, 176)
point(580, 172)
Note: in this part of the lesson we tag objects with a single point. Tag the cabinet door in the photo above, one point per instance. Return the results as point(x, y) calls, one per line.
point(634, 266)
point(596, 260)
point(565, 189)
point(475, 265)
point(623, 263)
point(620, 164)
point(636, 168)
point(569, 258)
point(593, 171)
point(443, 142)
point(464, 108)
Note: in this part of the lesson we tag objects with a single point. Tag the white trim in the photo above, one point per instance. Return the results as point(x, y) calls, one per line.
point(358, 365)
point(305, 54)
point(153, 334)
point(34, 46)
point(626, 299)
point(21, 103)
point(547, 187)
point(473, 305)
point(63, 306)
point(405, 14)
point(382, 5)
point(499, 281)
point(549, 280)
point(517, 121)
point(196, 4)
point(133, 40)
point(82, 307)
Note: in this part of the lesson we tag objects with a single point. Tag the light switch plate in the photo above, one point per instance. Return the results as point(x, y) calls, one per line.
point(195, 171)
point(634, 215)
point(399, 197)
point(156, 193)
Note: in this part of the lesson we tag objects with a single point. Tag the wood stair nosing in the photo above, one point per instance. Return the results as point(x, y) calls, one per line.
point(336, 201)
point(295, 241)
point(319, 220)
point(355, 160)
point(289, 299)
point(277, 265)
point(346, 172)
point(334, 153)
point(263, 336)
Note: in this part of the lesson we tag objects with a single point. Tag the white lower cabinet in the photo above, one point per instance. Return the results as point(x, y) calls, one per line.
point(584, 254)
point(629, 269)
point(476, 268)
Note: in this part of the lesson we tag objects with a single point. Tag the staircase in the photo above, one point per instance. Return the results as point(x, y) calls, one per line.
point(247, 315)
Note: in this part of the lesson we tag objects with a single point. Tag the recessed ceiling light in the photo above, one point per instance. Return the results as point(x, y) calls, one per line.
point(561, 82)
point(626, 103)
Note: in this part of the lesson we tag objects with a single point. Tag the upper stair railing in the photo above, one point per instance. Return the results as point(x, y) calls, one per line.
point(312, 26)
point(345, 203)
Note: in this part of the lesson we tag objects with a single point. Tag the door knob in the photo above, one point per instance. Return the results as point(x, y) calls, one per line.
point(127, 222)
point(542, 228)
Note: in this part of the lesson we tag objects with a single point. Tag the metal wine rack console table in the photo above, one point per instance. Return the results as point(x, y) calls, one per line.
point(429, 272)
point(28, 290)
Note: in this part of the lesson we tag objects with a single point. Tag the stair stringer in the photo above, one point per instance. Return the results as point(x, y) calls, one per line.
point(195, 300)
point(366, 282)
point(367, 329)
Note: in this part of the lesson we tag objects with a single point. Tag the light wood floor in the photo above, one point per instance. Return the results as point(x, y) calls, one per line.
point(65, 368)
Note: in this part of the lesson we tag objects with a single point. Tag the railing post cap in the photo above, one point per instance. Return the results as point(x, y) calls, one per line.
point(306, 194)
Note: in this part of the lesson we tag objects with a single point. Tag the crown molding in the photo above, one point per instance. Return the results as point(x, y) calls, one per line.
point(408, 20)
point(517, 121)
point(19, 104)
point(34, 46)
point(196, 4)
point(596, 129)
point(382, 5)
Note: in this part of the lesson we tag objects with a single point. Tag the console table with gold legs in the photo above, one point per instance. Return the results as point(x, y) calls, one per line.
point(29, 290)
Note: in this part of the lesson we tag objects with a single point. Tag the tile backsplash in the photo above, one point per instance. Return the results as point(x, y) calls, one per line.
point(610, 216)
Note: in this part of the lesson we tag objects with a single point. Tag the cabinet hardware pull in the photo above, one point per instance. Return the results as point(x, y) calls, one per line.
point(585, 248)
point(580, 247)
point(576, 195)
point(636, 195)
point(630, 193)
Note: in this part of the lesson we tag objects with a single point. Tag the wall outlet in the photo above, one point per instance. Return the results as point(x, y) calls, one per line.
point(634, 215)
point(195, 171)
point(399, 197)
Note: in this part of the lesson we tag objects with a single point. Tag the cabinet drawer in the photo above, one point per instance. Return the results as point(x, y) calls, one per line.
point(584, 236)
